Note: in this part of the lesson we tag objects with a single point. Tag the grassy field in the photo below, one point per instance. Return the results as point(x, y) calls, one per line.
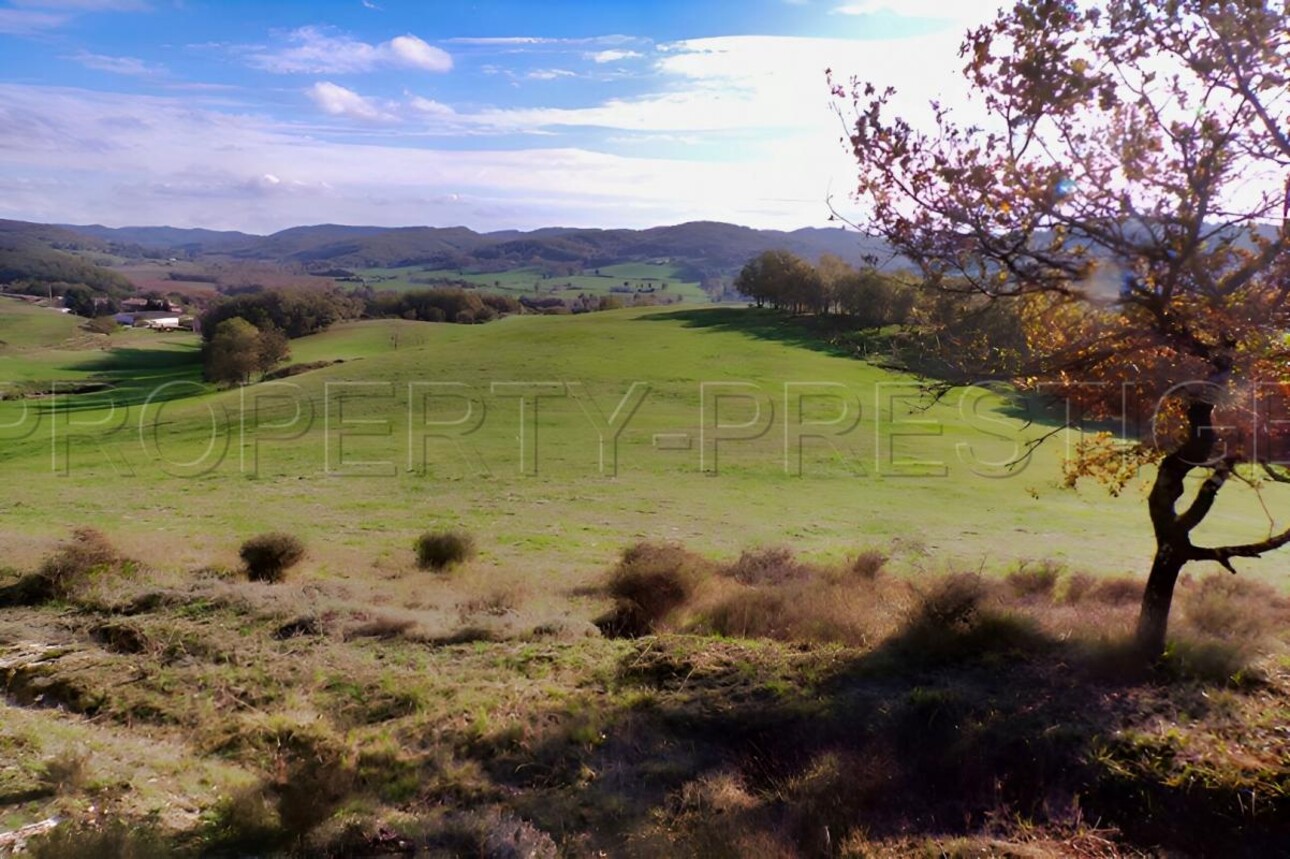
point(548, 503)
point(638, 277)
point(866, 693)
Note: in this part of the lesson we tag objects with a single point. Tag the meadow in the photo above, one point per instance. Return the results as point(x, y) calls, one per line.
point(635, 277)
point(860, 564)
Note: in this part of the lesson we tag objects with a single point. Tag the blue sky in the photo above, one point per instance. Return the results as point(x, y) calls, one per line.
point(261, 115)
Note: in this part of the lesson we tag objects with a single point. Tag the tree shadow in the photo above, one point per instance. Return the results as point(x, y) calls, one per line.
point(816, 333)
point(131, 377)
point(934, 733)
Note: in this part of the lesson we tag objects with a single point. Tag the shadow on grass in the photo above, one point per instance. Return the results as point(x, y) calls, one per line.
point(734, 748)
point(135, 377)
point(817, 333)
point(839, 336)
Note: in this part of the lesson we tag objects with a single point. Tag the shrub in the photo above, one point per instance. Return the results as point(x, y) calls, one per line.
point(116, 838)
point(751, 613)
point(1226, 607)
point(867, 565)
point(650, 582)
point(1120, 590)
point(1034, 580)
point(952, 602)
point(68, 771)
point(87, 554)
point(269, 556)
point(771, 566)
point(1078, 586)
point(440, 550)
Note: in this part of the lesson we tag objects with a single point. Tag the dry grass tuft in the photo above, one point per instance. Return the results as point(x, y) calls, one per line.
point(269, 556)
point(442, 550)
point(1034, 580)
point(88, 555)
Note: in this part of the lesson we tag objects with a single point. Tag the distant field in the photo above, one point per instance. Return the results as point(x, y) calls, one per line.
point(361, 471)
point(530, 281)
point(24, 327)
point(42, 345)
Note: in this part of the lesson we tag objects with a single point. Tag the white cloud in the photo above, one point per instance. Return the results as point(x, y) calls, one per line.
point(411, 52)
point(142, 159)
point(313, 50)
point(430, 107)
point(979, 11)
point(550, 74)
point(336, 100)
point(520, 41)
point(118, 65)
point(20, 22)
point(613, 56)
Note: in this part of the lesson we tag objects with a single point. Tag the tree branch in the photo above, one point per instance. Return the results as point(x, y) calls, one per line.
point(1223, 554)
point(1204, 500)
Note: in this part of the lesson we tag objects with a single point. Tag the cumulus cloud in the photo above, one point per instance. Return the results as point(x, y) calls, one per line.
point(313, 50)
point(336, 100)
point(613, 56)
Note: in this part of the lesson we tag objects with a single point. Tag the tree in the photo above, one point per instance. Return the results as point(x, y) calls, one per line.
point(237, 349)
point(1127, 189)
point(782, 280)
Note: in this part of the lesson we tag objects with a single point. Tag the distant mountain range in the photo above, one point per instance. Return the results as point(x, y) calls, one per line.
point(704, 248)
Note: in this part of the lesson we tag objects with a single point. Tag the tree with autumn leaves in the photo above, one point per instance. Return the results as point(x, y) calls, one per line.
point(1125, 185)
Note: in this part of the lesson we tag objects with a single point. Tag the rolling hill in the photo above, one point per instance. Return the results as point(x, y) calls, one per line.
point(706, 248)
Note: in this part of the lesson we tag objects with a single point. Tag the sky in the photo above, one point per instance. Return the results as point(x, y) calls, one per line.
point(259, 116)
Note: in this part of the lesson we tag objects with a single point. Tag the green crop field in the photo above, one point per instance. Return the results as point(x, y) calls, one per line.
point(636, 277)
point(421, 426)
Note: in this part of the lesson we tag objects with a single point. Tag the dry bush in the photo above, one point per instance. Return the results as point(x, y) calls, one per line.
point(1119, 590)
point(244, 821)
point(801, 610)
point(1034, 580)
point(867, 565)
point(1078, 586)
point(750, 613)
point(649, 583)
point(951, 602)
point(441, 550)
point(770, 566)
point(87, 554)
point(118, 839)
point(957, 617)
point(269, 556)
point(1223, 606)
point(67, 772)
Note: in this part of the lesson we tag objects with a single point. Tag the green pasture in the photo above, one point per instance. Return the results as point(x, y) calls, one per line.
point(531, 281)
point(732, 431)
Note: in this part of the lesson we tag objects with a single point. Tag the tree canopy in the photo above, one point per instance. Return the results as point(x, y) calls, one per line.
point(237, 349)
point(1126, 182)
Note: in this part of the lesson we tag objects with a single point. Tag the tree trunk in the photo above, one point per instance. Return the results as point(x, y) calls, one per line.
point(1153, 620)
point(1173, 540)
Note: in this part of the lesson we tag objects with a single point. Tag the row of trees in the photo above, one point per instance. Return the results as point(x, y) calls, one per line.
point(785, 281)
